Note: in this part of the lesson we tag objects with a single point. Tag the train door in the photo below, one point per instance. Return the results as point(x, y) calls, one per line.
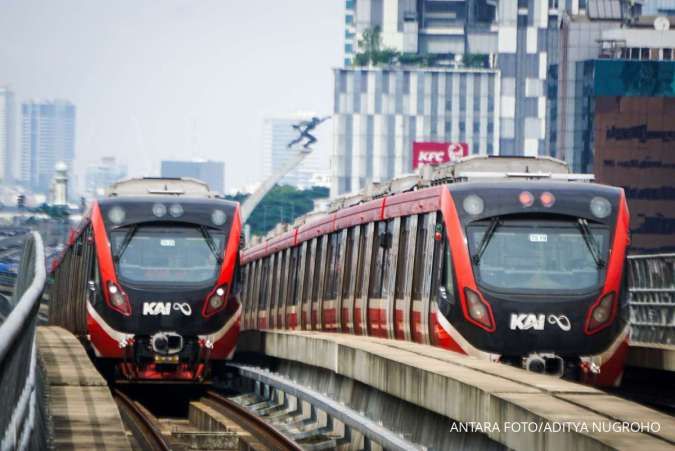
point(317, 287)
point(294, 267)
point(422, 275)
point(283, 288)
point(404, 276)
point(382, 277)
point(275, 268)
point(310, 252)
point(331, 281)
point(344, 270)
point(363, 279)
point(350, 274)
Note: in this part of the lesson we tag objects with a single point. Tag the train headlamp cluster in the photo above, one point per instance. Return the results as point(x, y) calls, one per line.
point(174, 210)
point(600, 207)
point(215, 301)
point(526, 199)
point(478, 309)
point(118, 299)
point(600, 314)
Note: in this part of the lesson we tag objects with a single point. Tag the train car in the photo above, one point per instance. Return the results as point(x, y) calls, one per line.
point(524, 266)
point(149, 280)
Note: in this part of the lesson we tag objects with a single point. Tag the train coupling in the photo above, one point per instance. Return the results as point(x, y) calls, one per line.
point(545, 363)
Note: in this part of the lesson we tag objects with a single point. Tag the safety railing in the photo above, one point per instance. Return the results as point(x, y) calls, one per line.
point(22, 414)
point(651, 282)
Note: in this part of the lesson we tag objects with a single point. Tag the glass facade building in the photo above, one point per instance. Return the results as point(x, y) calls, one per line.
point(48, 137)
point(379, 113)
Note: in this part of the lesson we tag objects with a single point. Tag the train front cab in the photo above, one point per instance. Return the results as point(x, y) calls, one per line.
point(546, 289)
point(384, 268)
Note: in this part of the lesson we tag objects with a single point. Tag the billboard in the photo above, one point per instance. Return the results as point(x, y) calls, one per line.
point(437, 152)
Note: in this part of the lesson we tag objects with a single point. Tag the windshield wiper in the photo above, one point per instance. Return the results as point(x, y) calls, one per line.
point(591, 243)
point(486, 239)
point(125, 242)
point(211, 243)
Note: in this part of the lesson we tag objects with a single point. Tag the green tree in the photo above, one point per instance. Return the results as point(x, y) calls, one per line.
point(282, 204)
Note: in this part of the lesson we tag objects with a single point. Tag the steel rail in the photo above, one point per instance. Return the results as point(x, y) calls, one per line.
point(151, 436)
point(258, 427)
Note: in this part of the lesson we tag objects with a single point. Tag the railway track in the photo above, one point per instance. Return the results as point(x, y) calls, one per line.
point(140, 423)
point(265, 433)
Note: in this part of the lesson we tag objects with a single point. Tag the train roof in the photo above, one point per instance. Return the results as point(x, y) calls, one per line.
point(160, 186)
point(421, 192)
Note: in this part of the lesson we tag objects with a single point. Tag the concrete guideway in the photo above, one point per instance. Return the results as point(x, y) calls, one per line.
point(82, 412)
point(477, 392)
point(652, 355)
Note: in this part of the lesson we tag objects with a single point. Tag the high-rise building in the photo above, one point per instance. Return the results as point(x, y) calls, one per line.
point(278, 132)
point(537, 83)
point(100, 176)
point(211, 172)
point(7, 129)
point(379, 113)
point(48, 136)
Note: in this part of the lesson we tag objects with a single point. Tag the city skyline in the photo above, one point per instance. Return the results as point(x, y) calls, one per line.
point(156, 83)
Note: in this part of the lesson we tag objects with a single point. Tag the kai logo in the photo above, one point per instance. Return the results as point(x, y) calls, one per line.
point(431, 156)
point(165, 308)
point(527, 321)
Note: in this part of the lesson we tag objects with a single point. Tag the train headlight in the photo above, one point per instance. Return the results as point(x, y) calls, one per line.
point(218, 217)
point(159, 210)
point(547, 199)
point(600, 207)
point(116, 215)
point(176, 210)
point(478, 310)
point(215, 301)
point(600, 314)
point(118, 299)
point(473, 205)
point(526, 199)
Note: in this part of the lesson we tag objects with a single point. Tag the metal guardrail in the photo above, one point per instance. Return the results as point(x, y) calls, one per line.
point(22, 415)
point(651, 284)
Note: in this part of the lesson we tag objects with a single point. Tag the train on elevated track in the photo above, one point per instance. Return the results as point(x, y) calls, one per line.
point(508, 259)
point(149, 280)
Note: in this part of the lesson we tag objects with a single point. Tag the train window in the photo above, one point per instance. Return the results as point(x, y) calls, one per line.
point(294, 276)
point(332, 261)
point(347, 267)
point(306, 267)
point(382, 242)
point(264, 283)
point(317, 269)
point(401, 261)
point(274, 287)
point(420, 257)
point(178, 254)
point(360, 261)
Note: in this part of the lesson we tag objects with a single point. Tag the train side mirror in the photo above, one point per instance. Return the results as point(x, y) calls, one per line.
point(91, 286)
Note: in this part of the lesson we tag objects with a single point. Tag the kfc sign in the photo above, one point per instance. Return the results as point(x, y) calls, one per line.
point(436, 152)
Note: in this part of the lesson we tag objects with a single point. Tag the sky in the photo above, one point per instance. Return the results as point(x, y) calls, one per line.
point(178, 79)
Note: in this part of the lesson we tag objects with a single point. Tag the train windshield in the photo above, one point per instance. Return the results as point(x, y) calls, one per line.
point(527, 256)
point(167, 254)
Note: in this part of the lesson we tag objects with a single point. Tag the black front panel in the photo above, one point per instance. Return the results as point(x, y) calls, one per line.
point(528, 324)
point(165, 309)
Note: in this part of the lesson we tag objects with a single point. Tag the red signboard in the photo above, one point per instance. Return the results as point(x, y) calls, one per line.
point(438, 152)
